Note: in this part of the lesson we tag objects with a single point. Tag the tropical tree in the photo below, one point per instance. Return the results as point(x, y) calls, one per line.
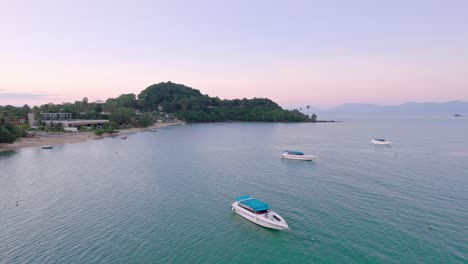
point(26, 109)
point(84, 104)
point(314, 118)
point(122, 115)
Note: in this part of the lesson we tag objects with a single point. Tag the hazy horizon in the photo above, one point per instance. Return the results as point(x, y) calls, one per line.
point(22, 99)
point(296, 53)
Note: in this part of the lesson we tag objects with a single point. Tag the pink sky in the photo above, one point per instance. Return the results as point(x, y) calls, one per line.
point(322, 82)
point(296, 53)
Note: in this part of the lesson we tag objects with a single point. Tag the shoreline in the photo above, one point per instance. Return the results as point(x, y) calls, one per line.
point(53, 140)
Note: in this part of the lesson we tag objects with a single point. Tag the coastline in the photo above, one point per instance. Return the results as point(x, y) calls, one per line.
point(52, 140)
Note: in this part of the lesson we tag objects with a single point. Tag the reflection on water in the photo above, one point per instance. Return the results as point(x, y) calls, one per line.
point(6, 154)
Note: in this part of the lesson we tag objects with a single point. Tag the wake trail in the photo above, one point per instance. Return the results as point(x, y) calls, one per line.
point(301, 236)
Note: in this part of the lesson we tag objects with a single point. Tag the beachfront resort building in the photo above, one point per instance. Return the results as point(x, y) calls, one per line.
point(55, 116)
point(68, 123)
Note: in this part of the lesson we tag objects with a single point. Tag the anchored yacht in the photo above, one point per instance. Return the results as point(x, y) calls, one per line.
point(258, 212)
point(380, 141)
point(297, 155)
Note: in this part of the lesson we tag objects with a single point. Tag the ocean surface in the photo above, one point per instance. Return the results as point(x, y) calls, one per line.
point(164, 197)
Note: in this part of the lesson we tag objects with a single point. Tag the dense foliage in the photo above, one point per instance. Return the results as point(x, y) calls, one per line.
point(79, 109)
point(192, 106)
point(107, 128)
point(9, 132)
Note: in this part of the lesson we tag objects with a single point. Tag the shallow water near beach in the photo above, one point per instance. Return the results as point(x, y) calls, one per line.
point(164, 197)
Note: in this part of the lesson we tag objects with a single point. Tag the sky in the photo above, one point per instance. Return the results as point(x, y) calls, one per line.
point(297, 53)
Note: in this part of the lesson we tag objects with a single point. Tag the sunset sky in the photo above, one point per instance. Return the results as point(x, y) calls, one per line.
point(318, 53)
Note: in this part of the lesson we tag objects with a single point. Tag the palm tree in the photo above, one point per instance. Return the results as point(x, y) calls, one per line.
point(308, 110)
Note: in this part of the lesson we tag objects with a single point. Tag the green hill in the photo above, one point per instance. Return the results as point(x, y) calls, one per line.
point(189, 104)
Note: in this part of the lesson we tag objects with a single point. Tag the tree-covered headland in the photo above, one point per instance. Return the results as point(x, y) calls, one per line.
point(191, 105)
point(156, 102)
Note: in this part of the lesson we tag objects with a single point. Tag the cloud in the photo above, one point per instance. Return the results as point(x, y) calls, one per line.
point(22, 95)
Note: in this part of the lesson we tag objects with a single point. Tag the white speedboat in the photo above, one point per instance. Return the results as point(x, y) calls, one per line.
point(258, 212)
point(380, 141)
point(297, 155)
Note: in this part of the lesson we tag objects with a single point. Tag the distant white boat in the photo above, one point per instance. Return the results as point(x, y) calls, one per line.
point(258, 212)
point(297, 155)
point(380, 141)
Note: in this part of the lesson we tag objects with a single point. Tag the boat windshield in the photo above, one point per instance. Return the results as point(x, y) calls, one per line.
point(295, 153)
point(246, 208)
point(379, 139)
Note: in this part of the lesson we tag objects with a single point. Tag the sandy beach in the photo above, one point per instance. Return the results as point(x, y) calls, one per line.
point(58, 139)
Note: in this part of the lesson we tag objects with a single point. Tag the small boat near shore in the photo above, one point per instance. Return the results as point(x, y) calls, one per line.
point(124, 138)
point(380, 141)
point(47, 147)
point(297, 155)
point(258, 212)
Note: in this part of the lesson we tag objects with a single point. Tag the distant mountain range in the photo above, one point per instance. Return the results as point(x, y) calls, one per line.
point(447, 107)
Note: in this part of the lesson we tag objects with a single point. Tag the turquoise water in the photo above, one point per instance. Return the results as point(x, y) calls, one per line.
point(165, 197)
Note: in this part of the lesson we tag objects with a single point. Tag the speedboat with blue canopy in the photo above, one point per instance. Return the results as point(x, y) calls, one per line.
point(258, 212)
point(297, 155)
point(380, 141)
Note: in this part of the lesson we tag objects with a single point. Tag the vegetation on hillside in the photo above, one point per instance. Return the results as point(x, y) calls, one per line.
point(9, 131)
point(189, 104)
point(160, 101)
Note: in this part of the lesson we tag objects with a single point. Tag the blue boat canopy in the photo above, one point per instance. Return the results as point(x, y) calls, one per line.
point(379, 139)
point(254, 204)
point(294, 152)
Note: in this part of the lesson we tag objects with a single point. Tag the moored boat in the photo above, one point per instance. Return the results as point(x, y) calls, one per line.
point(124, 138)
point(380, 141)
point(47, 147)
point(258, 212)
point(297, 155)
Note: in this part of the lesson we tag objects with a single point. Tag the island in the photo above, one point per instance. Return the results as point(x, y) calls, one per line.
point(161, 103)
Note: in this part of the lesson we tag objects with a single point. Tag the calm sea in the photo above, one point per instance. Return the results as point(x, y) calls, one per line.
point(165, 197)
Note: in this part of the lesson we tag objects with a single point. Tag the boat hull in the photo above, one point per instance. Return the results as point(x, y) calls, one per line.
point(261, 219)
point(299, 157)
